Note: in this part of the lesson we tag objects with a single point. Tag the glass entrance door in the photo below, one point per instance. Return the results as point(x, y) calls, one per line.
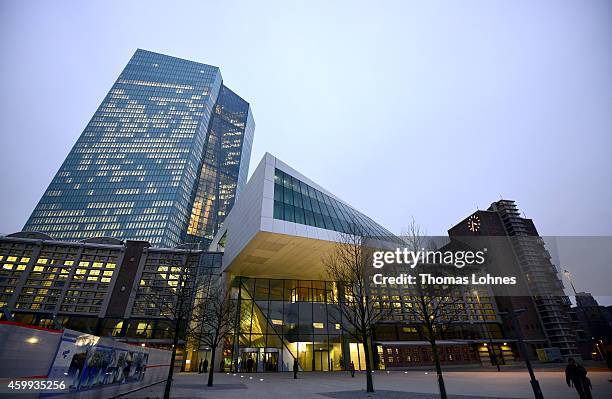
point(270, 361)
point(249, 362)
point(321, 360)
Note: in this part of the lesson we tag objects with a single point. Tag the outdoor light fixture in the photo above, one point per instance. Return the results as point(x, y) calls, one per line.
point(513, 316)
point(32, 340)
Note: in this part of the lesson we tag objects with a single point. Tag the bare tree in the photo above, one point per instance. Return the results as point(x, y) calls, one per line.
point(168, 297)
point(436, 307)
point(349, 265)
point(213, 317)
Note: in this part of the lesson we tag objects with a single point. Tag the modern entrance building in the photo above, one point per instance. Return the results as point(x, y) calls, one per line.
point(273, 243)
point(161, 160)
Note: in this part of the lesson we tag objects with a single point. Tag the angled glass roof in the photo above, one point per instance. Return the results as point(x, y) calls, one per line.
point(297, 202)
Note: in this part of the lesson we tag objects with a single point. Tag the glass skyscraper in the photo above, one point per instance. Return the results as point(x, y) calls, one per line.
point(161, 160)
point(223, 175)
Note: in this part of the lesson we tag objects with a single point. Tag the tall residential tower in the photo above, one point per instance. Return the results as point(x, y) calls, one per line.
point(161, 160)
point(515, 248)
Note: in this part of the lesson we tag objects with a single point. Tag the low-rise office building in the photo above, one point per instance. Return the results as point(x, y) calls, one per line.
point(101, 286)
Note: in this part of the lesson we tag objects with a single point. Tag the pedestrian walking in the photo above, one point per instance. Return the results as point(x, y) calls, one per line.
point(296, 367)
point(205, 365)
point(609, 358)
point(352, 368)
point(200, 368)
point(576, 375)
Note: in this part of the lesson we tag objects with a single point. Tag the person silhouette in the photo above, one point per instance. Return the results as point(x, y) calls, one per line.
point(296, 367)
point(575, 375)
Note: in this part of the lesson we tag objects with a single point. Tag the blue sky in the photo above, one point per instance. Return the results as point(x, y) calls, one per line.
point(403, 109)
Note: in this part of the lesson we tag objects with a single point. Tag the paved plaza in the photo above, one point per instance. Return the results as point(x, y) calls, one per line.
point(393, 385)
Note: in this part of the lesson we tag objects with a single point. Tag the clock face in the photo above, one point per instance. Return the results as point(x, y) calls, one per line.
point(473, 223)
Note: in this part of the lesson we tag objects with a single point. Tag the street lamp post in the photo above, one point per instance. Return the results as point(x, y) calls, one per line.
point(487, 333)
point(513, 315)
point(581, 310)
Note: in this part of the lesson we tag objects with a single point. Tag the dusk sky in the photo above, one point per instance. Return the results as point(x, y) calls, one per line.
point(403, 109)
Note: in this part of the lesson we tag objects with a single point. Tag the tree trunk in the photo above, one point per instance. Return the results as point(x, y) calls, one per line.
point(172, 360)
point(436, 355)
point(369, 380)
point(211, 372)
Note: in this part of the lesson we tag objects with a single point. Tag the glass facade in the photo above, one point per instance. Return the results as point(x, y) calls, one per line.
point(223, 175)
point(281, 320)
point(285, 319)
point(297, 202)
point(135, 170)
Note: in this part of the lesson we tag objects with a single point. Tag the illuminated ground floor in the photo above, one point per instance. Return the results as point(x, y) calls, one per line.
point(282, 320)
point(329, 356)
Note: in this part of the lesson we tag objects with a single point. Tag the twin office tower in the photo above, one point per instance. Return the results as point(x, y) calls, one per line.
point(162, 159)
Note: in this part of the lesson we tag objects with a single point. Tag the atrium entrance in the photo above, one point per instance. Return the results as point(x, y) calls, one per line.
point(270, 361)
point(321, 360)
point(249, 360)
